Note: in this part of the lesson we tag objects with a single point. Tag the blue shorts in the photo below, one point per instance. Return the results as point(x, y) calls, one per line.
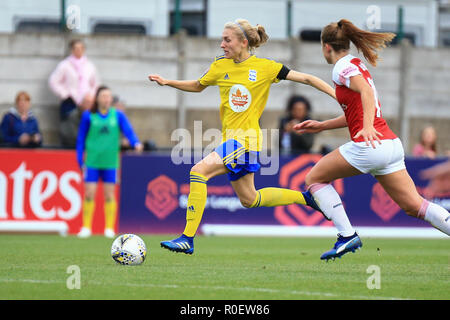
point(107, 175)
point(238, 159)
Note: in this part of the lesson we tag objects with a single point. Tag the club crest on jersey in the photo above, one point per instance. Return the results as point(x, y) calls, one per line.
point(252, 75)
point(344, 107)
point(239, 98)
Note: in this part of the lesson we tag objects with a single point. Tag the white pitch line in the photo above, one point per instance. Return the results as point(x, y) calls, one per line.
point(251, 289)
point(31, 281)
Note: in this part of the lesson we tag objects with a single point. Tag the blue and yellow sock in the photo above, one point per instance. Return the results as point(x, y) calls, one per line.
point(272, 197)
point(88, 213)
point(110, 214)
point(196, 203)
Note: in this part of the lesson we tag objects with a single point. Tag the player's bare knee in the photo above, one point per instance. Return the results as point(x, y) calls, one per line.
point(246, 202)
point(311, 179)
point(88, 197)
point(198, 168)
point(109, 198)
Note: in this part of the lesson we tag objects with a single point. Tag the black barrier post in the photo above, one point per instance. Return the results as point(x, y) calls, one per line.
point(62, 21)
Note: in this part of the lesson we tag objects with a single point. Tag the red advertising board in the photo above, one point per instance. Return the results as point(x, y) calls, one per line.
point(44, 186)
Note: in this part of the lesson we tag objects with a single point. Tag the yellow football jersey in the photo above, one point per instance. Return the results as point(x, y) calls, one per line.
point(244, 90)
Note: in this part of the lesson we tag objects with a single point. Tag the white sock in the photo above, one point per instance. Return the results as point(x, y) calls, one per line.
point(331, 205)
point(436, 215)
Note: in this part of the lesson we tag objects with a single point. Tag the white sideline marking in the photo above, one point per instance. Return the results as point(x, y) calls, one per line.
point(32, 281)
point(317, 231)
point(175, 286)
point(60, 227)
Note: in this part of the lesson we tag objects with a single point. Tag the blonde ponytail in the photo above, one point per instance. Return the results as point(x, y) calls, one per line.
point(256, 36)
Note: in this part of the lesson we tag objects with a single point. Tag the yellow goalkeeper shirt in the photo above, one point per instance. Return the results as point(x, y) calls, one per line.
point(244, 89)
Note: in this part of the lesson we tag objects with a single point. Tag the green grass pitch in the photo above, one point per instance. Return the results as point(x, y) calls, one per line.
point(35, 267)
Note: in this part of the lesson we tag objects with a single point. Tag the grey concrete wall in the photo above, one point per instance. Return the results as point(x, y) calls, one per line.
point(124, 62)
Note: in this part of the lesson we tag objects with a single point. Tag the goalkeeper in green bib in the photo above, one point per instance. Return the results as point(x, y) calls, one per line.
point(98, 148)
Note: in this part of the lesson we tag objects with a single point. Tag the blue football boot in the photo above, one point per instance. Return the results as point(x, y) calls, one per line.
point(182, 244)
point(311, 202)
point(342, 246)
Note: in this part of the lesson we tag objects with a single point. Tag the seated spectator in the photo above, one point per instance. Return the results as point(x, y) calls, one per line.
point(427, 145)
point(19, 127)
point(298, 109)
point(74, 81)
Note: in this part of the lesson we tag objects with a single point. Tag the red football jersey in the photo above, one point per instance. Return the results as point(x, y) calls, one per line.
point(350, 100)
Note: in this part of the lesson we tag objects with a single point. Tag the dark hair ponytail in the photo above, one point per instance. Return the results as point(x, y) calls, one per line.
point(339, 35)
point(94, 108)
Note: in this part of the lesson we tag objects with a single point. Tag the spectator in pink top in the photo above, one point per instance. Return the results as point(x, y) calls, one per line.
point(75, 81)
point(427, 145)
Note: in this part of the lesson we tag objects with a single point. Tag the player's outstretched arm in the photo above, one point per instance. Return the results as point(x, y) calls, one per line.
point(311, 80)
point(185, 85)
point(314, 126)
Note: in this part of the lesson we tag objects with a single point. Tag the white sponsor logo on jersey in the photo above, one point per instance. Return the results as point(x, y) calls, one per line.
point(239, 98)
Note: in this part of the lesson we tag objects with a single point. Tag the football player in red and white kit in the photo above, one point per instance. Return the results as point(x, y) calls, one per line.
point(373, 148)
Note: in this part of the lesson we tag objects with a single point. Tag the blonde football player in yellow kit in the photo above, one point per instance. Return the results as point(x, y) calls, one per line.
point(244, 81)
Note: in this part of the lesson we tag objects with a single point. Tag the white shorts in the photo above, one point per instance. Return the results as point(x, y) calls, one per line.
point(386, 158)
